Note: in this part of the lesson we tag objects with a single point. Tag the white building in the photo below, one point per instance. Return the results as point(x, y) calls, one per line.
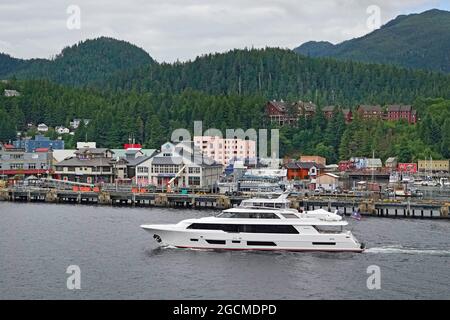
point(42, 127)
point(181, 166)
point(76, 123)
point(280, 174)
point(81, 145)
point(327, 181)
point(223, 150)
point(62, 130)
point(11, 93)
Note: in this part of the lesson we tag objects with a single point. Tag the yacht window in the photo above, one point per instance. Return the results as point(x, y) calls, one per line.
point(249, 215)
point(328, 229)
point(289, 216)
point(247, 228)
point(216, 241)
point(261, 243)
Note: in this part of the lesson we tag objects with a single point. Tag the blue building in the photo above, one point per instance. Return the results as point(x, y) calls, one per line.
point(39, 142)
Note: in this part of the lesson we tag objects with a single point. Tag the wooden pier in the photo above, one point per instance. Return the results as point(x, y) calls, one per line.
point(346, 205)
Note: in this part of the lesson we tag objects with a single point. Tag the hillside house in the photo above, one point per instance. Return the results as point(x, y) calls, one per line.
point(42, 127)
point(11, 93)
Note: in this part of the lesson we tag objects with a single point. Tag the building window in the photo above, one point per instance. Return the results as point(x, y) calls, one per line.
point(32, 166)
point(17, 166)
point(194, 170)
point(194, 181)
point(142, 169)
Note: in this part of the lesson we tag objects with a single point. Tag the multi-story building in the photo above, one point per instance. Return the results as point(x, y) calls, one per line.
point(180, 166)
point(16, 161)
point(223, 150)
point(370, 112)
point(284, 113)
point(401, 112)
point(38, 142)
point(89, 165)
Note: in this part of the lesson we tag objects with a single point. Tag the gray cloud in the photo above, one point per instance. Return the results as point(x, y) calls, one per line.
point(182, 29)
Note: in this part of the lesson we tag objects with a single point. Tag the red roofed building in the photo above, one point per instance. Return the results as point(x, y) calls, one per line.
point(303, 170)
point(401, 112)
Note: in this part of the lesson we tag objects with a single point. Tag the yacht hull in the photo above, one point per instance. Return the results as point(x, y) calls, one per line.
point(218, 240)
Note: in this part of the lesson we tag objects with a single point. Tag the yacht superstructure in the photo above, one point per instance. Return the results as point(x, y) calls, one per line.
point(261, 224)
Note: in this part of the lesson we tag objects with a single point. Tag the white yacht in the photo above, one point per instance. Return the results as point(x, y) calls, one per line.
point(261, 224)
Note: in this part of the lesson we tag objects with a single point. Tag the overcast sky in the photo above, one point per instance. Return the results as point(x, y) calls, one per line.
point(182, 29)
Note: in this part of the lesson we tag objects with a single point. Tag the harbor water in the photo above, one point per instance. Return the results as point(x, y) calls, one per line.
point(118, 260)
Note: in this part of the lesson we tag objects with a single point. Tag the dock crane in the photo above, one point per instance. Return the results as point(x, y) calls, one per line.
point(169, 183)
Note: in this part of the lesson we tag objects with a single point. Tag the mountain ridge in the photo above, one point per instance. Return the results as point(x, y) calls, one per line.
point(419, 41)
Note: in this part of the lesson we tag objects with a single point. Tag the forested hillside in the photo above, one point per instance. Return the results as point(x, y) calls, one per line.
point(420, 41)
point(81, 64)
point(282, 74)
point(151, 118)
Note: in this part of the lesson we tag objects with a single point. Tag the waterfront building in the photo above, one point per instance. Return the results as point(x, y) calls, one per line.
point(374, 163)
point(182, 165)
point(346, 165)
point(18, 162)
point(328, 181)
point(279, 174)
point(88, 165)
point(297, 170)
point(407, 167)
point(38, 142)
point(432, 165)
point(391, 163)
point(316, 159)
point(224, 150)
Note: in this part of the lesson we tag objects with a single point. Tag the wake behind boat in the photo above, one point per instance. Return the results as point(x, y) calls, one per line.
point(261, 224)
